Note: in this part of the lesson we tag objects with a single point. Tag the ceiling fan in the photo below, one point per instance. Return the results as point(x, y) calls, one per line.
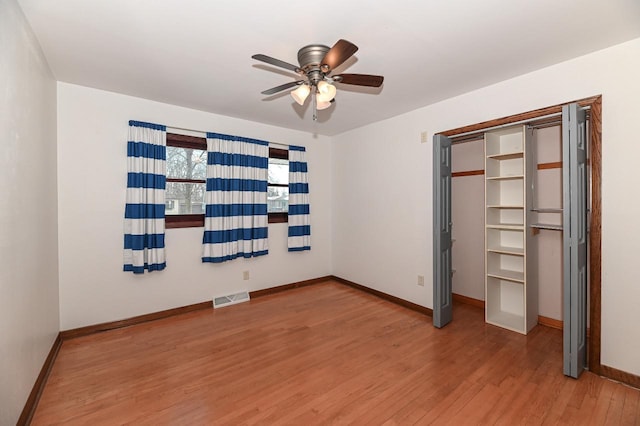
point(317, 61)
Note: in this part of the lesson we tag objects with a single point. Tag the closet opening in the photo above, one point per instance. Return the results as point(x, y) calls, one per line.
point(501, 242)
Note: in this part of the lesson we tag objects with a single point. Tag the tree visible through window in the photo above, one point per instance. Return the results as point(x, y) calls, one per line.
point(278, 188)
point(186, 180)
point(186, 172)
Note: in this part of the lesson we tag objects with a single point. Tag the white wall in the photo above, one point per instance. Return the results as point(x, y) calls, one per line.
point(28, 216)
point(92, 169)
point(467, 215)
point(548, 142)
point(382, 196)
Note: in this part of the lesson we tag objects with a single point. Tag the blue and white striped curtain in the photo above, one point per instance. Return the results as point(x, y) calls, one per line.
point(144, 211)
point(236, 220)
point(299, 223)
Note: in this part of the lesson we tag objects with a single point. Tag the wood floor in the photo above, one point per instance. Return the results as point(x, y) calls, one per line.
point(324, 354)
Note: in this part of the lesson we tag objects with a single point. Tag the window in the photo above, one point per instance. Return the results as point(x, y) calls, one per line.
point(186, 181)
point(278, 188)
point(187, 177)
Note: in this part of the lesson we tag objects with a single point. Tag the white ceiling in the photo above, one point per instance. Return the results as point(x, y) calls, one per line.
point(197, 53)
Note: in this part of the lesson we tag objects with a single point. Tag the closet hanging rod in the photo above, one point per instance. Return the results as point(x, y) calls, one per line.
point(204, 134)
point(543, 121)
point(546, 124)
point(478, 134)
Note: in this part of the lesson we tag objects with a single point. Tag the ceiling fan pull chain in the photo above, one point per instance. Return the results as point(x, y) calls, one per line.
point(313, 103)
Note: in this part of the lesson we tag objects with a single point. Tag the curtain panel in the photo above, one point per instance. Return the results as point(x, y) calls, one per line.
point(236, 219)
point(299, 221)
point(145, 203)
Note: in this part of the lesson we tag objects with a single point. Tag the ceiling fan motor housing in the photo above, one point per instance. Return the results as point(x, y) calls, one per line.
point(310, 59)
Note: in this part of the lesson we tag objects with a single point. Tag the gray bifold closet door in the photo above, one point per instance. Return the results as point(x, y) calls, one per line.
point(442, 291)
point(574, 217)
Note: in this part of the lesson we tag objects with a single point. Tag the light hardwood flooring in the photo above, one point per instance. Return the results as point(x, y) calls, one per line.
point(324, 354)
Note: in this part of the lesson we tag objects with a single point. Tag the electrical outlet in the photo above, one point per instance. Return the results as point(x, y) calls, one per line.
point(423, 137)
point(421, 280)
point(245, 275)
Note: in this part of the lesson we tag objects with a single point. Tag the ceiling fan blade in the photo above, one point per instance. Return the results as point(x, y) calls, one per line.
point(340, 52)
point(282, 87)
point(276, 62)
point(359, 79)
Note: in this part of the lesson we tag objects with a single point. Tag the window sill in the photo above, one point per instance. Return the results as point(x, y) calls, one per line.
point(278, 217)
point(184, 221)
point(197, 220)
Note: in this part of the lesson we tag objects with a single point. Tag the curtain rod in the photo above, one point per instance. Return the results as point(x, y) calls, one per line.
point(204, 134)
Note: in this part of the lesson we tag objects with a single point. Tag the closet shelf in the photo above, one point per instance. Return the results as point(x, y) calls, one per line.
point(506, 320)
point(506, 224)
point(507, 227)
point(504, 206)
point(516, 251)
point(547, 210)
point(507, 156)
point(546, 226)
point(505, 274)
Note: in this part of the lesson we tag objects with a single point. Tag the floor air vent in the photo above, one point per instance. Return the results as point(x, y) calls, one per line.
point(231, 299)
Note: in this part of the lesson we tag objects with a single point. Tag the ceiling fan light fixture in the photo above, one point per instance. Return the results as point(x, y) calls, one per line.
point(326, 91)
point(300, 94)
point(320, 105)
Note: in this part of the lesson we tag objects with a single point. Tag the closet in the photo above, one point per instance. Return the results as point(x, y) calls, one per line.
point(507, 245)
point(511, 207)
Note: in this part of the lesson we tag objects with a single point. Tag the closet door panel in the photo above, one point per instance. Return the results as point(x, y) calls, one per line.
point(575, 238)
point(442, 270)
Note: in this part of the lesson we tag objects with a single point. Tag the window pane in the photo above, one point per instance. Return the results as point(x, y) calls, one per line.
point(278, 199)
point(186, 163)
point(278, 171)
point(184, 198)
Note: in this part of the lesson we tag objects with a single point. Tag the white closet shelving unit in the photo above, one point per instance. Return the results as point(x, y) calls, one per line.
point(511, 293)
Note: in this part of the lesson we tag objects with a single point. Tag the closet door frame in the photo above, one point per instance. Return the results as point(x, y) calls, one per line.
point(594, 104)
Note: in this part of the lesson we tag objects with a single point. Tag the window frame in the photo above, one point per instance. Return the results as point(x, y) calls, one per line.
point(185, 220)
point(197, 220)
point(283, 154)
